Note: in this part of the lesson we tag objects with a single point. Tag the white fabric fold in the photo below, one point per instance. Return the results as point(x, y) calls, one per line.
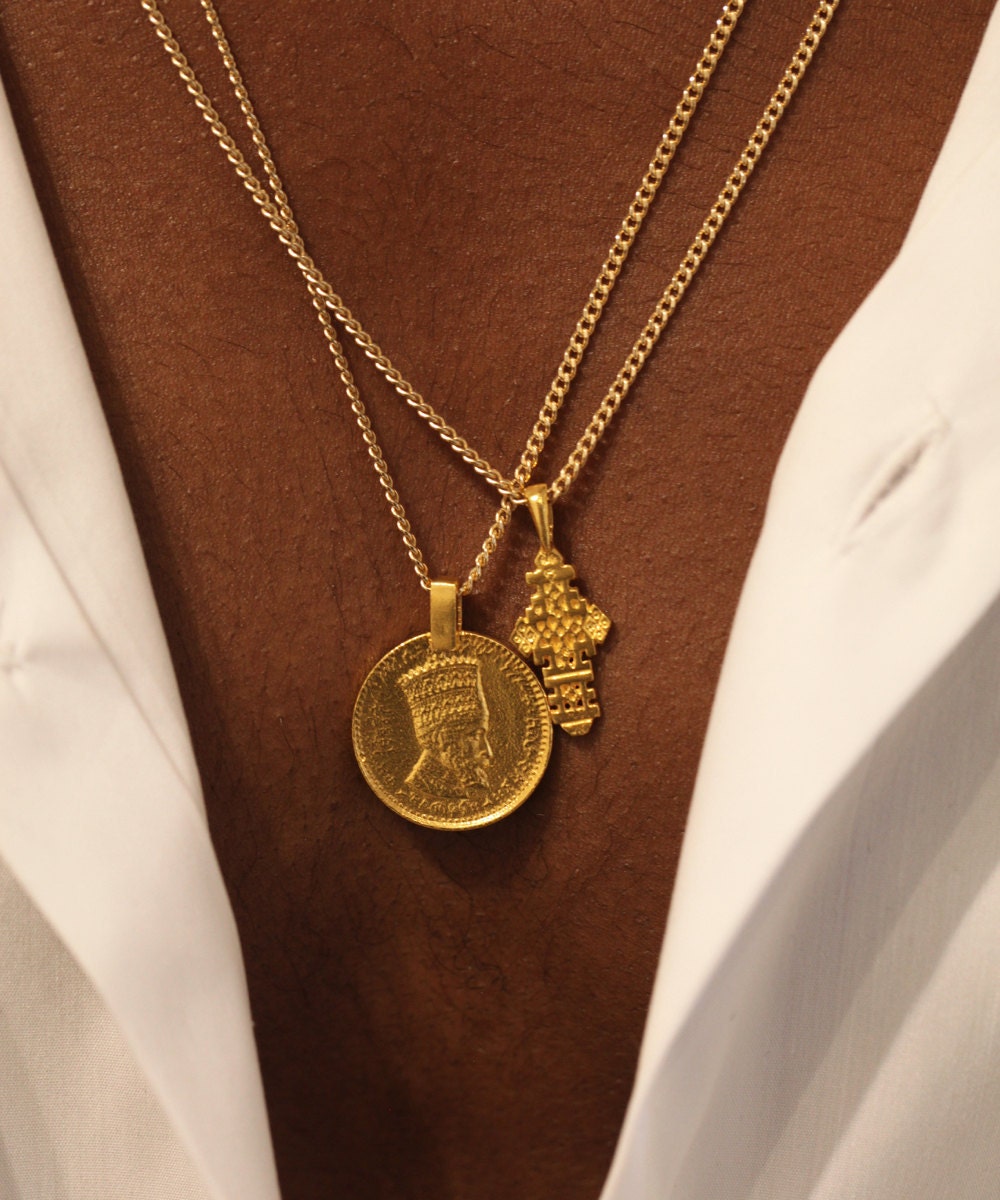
point(847, 1042)
point(77, 1114)
point(55, 446)
point(877, 560)
point(101, 821)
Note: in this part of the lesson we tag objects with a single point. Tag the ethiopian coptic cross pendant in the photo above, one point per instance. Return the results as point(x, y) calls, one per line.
point(560, 629)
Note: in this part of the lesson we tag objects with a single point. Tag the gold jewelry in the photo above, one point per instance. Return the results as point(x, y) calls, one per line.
point(277, 211)
point(451, 729)
point(559, 630)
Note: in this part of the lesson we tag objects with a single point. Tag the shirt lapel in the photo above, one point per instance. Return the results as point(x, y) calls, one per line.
point(101, 819)
point(878, 556)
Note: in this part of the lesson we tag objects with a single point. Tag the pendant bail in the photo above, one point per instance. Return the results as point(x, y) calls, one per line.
point(540, 507)
point(446, 614)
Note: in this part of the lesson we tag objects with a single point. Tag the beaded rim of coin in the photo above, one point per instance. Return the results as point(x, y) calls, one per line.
point(408, 708)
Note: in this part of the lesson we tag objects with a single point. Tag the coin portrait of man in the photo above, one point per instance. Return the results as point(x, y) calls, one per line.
point(451, 725)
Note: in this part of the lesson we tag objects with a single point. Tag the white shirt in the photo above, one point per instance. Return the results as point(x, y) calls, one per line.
point(826, 1016)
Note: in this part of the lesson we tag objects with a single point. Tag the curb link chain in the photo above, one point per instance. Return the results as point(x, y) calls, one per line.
point(275, 208)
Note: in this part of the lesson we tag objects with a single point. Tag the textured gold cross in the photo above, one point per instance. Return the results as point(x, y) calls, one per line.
point(559, 631)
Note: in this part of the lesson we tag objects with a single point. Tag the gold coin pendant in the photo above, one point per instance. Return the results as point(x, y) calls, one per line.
point(455, 738)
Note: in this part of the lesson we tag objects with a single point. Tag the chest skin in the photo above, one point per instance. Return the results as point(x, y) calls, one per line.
point(457, 1015)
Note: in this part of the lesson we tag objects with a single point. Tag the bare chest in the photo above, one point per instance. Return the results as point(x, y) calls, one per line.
point(458, 1013)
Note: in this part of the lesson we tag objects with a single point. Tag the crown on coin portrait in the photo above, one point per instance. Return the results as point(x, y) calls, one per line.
point(443, 691)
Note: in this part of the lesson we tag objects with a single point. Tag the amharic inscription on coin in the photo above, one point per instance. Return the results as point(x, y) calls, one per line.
point(452, 739)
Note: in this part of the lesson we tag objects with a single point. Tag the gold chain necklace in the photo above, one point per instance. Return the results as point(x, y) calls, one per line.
point(451, 729)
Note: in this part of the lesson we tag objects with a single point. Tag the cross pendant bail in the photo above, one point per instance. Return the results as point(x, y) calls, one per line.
point(540, 507)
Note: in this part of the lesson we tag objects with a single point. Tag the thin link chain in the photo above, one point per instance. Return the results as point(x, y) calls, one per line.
point(706, 235)
point(319, 292)
point(277, 211)
point(599, 294)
